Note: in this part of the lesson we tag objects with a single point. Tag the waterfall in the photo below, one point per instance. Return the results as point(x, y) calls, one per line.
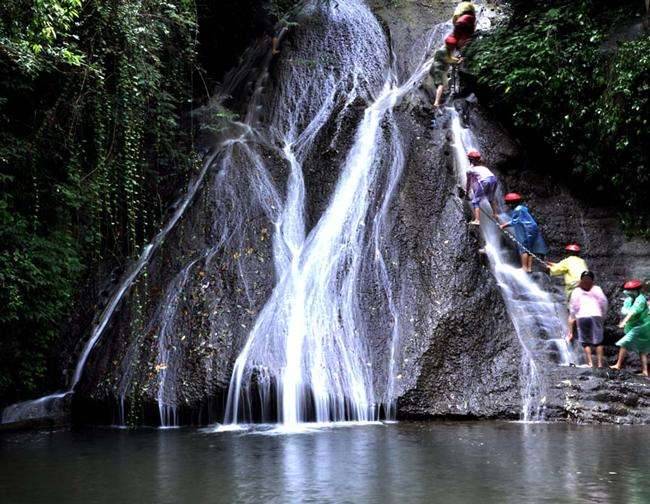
point(310, 344)
point(539, 320)
point(324, 344)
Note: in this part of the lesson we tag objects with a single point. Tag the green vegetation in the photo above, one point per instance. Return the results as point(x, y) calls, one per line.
point(91, 96)
point(281, 9)
point(578, 99)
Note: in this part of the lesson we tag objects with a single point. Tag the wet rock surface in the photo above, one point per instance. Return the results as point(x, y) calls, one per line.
point(462, 356)
point(479, 376)
point(598, 396)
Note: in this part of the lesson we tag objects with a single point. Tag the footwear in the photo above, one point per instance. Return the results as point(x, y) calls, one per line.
point(482, 251)
point(475, 223)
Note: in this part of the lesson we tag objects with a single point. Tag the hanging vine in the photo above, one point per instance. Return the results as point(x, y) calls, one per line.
point(91, 96)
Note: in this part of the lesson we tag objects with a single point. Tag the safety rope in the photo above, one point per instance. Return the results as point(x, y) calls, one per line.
point(512, 238)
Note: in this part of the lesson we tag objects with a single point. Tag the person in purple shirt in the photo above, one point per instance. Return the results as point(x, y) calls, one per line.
point(587, 309)
point(483, 184)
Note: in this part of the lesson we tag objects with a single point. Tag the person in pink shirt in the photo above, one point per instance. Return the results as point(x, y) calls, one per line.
point(587, 309)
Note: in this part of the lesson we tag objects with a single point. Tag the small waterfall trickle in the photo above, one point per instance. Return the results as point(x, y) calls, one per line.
point(40, 407)
point(539, 320)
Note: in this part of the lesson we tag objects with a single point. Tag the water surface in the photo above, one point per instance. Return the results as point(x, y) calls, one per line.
point(405, 462)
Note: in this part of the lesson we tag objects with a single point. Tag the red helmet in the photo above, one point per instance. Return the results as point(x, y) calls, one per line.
point(466, 21)
point(633, 284)
point(474, 155)
point(572, 247)
point(451, 41)
point(512, 197)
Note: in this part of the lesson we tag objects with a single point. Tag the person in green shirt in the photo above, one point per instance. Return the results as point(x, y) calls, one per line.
point(636, 324)
point(442, 59)
point(571, 267)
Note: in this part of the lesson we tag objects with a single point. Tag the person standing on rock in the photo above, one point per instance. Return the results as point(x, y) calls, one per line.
point(636, 324)
point(527, 233)
point(587, 309)
point(442, 59)
point(571, 267)
point(483, 184)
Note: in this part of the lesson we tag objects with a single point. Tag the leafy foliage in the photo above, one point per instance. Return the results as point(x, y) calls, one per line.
point(281, 9)
point(91, 96)
point(551, 75)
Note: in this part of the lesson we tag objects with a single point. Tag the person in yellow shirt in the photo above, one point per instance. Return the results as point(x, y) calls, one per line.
point(571, 267)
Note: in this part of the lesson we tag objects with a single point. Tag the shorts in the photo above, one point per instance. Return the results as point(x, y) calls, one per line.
point(484, 189)
point(590, 331)
point(440, 76)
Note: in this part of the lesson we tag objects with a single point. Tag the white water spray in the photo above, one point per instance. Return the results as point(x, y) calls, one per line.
point(309, 342)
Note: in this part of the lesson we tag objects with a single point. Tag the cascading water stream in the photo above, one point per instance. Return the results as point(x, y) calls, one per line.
point(43, 406)
point(309, 342)
point(309, 347)
point(538, 319)
point(40, 407)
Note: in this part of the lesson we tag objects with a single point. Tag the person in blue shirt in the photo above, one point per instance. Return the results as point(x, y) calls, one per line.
point(527, 232)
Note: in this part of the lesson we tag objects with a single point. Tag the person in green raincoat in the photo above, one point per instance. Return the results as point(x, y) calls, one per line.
point(636, 325)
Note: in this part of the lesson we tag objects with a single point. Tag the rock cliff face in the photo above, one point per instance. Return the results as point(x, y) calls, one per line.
point(459, 354)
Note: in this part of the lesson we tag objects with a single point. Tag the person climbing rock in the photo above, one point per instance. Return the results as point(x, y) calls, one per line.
point(527, 232)
point(636, 324)
point(442, 59)
point(571, 267)
point(464, 21)
point(587, 309)
point(276, 40)
point(483, 184)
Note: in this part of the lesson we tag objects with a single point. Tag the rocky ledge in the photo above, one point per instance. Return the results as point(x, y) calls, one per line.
point(594, 396)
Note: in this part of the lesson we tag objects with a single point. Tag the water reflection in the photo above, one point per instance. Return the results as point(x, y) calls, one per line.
point(406, 462)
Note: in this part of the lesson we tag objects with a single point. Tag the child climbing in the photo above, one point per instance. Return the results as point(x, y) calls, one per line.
point(464, 20)
point(442, 59)
point(527, 232)
point(636, 324)
point(587, 309)
point(571, 267)
point(483, 184)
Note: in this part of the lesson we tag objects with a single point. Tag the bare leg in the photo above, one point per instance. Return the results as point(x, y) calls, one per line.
point(524, 261)
point(587, 350)
point(600, 355)
point(530, 263)
point(495, 210)
point(477, 216)
point(644, 364)
point(439, 91)
point(621, 358)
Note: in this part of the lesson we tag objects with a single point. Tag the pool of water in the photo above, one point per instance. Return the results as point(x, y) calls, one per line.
point(474, 462)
